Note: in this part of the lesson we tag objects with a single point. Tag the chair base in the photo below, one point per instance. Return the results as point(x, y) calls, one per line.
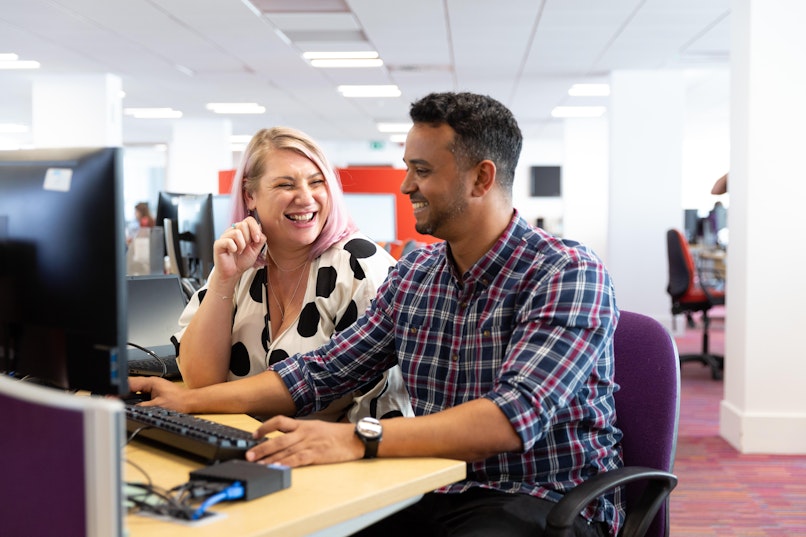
point(715, 362)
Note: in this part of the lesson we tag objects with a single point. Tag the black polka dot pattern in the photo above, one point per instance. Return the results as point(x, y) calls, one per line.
point(342, 284)
point(349, 317)
point(239, 360)
point(325, 281)
point(277, 356)
point(360, 249)
point(308, 320)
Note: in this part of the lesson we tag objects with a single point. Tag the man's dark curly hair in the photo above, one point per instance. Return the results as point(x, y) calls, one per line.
point(485, 129)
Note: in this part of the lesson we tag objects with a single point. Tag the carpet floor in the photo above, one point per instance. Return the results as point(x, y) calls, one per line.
point(722, 492)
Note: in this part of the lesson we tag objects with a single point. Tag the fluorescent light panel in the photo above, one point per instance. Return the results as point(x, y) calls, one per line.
point(13, 128)
point(236, 108)
point(346, 63)
point(577, 111)
point(357, 55)
point(394, 127)
point(370, 91)
point(589, 90)
point(360, 59)
point(19, 64)
point(10, 60)
point(153, 113)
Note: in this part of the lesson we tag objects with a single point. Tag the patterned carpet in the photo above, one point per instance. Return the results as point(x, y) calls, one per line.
point(720, 491)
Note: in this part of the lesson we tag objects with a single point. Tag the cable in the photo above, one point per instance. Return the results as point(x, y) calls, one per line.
point(153, 355)
point(233, 492)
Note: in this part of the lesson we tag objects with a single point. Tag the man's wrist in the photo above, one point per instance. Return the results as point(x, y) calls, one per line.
point(370, 432)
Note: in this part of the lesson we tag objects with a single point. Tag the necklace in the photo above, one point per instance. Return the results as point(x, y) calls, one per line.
point(277, 300)
point(281, 268)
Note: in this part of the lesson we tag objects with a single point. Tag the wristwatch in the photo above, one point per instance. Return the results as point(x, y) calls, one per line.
point(370, 431)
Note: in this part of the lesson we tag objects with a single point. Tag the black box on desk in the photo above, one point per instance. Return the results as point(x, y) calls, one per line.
point(257, 479)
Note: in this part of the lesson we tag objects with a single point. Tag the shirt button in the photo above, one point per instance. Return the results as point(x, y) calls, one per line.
point(454, 357)
point(412, 330)
point(486, 333)
point(463, 304)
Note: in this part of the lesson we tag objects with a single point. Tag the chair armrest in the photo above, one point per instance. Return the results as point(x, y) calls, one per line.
point(560, 520)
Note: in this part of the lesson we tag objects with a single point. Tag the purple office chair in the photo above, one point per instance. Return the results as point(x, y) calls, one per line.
point(647, 411)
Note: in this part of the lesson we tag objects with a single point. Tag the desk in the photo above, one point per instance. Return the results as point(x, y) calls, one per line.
point(329, 499)
point(711, 262)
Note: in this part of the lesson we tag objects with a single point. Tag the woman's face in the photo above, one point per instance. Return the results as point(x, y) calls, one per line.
point(292, 200)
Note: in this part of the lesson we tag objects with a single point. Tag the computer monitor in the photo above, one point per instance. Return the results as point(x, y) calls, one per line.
point(192, 215)
point(61, 464)
point(63, 268)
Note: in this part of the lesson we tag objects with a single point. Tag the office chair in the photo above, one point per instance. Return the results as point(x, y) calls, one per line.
point(647, 412)
point(690, 293)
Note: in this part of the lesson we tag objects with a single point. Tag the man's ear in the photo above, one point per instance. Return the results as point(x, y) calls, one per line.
point(485, 177)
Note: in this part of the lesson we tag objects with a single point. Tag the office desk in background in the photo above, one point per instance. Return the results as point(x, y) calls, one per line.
point(711, 261)
point(330, 499)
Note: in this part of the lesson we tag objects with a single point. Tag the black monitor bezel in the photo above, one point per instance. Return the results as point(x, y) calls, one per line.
point(63, 268)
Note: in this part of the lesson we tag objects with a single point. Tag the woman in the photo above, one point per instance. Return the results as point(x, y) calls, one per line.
point(143, 214)
point(290, 271)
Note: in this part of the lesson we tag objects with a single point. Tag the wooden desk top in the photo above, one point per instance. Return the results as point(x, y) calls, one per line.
point(319, 497)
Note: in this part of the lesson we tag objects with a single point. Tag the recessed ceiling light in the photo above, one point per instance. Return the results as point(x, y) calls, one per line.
point(394, 127)
point(13, 128)
point(361, 58)
point(327, 63)
point(353, 55)
point(236, 108)
point(589, 90)
point(9, 60)
point(153, 113)
point(390, 90)
point(577, 111)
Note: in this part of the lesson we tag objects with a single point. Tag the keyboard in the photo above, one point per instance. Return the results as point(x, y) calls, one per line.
point(165, 367)
point(190, 435)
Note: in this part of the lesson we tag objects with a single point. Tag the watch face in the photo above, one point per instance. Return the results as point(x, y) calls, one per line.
point(369, 428)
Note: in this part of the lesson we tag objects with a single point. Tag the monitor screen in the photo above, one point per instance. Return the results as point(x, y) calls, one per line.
point(192, 215)
point(63, 268)
point(546, 181)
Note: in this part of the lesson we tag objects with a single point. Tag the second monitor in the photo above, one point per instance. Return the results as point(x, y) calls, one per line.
point(194, 229)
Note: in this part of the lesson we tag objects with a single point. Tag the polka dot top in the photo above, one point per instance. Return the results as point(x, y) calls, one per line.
point(341, 283)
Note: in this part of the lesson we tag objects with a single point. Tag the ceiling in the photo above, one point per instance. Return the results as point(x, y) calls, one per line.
point(186, 53)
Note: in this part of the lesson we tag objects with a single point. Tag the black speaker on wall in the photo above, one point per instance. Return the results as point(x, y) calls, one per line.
point(545, 182)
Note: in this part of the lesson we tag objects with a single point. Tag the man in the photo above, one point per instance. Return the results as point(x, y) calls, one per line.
point(504, 334)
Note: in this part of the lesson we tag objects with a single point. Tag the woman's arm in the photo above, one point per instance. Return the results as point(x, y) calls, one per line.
point(263, 394)
point(204, 352)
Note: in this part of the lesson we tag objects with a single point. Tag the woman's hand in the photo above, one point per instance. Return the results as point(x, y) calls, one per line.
point(305, 442)
point(238, 248)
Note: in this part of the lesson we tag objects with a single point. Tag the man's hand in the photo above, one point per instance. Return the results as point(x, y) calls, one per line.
point(306, 442)
point(164, 393)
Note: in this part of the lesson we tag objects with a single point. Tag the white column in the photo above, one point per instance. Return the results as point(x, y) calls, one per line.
point(198, 150)
point(77, 111)
point(764, 410)
point(647, 118)
point(586, 183)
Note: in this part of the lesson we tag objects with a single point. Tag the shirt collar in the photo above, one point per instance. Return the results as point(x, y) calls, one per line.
point(492, 263)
